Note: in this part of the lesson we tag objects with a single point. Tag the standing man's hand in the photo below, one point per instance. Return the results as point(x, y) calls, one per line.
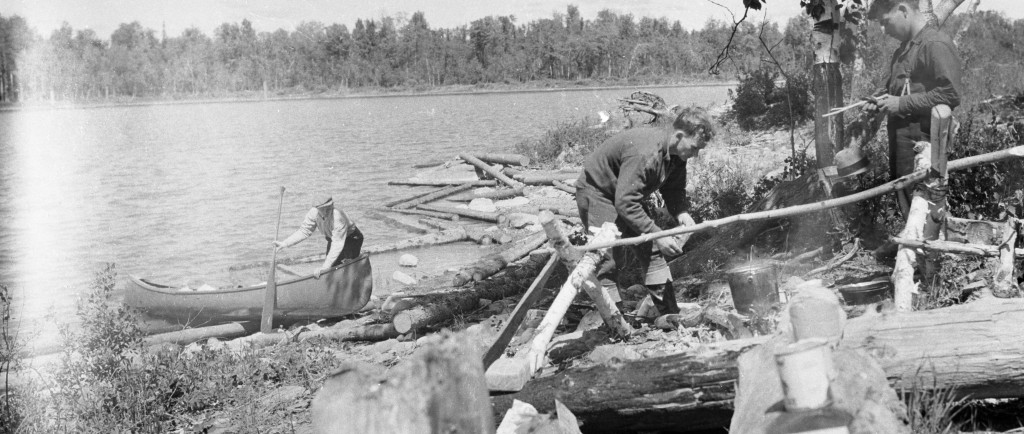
point(278, 246)
point(319, 272)
point(668, 246)
point(884, 103)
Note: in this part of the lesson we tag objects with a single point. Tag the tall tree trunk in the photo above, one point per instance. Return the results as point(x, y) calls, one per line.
point(827, 84)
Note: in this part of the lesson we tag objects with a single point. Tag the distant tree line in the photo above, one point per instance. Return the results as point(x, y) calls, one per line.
point(392, 51)
point(76, 65)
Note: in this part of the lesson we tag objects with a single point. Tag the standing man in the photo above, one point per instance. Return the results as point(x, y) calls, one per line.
point(925, 71)
point(344, 240)
point(624, 170)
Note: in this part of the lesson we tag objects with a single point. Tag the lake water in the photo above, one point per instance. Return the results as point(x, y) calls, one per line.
point(172, 192)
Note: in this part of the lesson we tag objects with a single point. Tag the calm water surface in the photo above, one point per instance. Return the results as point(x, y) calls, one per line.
point(172, 192)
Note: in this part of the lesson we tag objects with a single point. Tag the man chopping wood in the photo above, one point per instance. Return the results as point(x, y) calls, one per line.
point(626, 169)
point(344, 240)
point(925, 71)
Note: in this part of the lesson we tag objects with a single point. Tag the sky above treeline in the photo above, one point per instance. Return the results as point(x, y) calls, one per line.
point(103, 16)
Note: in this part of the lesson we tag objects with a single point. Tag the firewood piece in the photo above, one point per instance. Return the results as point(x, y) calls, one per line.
point(1003, 281)
point(448, 191)
point(492, 264)
point(506, 159)
point(440, 388)
point(490, 170)
point(584, 269)
point(977, 231)
point(452, 303)
point(903, 271)
point(948, 247)
point(491, 217)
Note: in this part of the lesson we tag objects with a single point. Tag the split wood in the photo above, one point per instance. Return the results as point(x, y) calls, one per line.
point(533, 294)
point(490, 170)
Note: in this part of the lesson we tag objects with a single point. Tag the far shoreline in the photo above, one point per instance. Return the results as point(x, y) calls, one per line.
point(372, 93)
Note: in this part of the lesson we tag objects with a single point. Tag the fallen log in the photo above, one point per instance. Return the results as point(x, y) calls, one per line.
point(448, 191)
point(444, 237)
point(392, 203)
point(506, 159)
point(492, 264)
point(564, 186)
point(549, 178)
point(437, 309)
point(490, 170)
point(491, 217)
point(504, 193)
point(397, 224)
point(948, 247)
point(440, 215)
point(188, 336)
point(973, 348)
point(368, 332)
point(444, 182)
point(440, 388)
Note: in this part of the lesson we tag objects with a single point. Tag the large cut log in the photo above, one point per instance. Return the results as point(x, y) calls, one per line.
point(440, 215)
point(916, 228)
point(490, 170)
point(188, 336)
point(491, 217)
point(448, 191)
point(973, 348)
point(506, 159)
point(367, 332)
point(492, 264)
point(444, 237)
point(504, 193)
point(397, 224)
point(441, 308)
point(549, 178)
point(440, 389)
point(394, 202)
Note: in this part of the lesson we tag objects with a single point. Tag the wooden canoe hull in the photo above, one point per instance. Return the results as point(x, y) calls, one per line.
point(341, 291)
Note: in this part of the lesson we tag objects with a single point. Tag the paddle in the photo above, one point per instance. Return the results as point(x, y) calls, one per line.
point(270, 294)
point(512, 325)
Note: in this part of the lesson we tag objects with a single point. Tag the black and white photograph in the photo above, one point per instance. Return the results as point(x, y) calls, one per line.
point(525, 216)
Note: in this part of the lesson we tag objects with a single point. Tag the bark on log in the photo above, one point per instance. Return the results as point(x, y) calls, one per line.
point(490, 170)
point(504, 193)
point(439, 389)
point(370, 332)
point(442, 308)
point(448, 191)
point(506, 159)
point(188, 336)
point(974, 348)
point(546, 178)
point(492, 264)
point(440, 215)
point(443, 182)
point(491, 217)
point(444, 237)
point(392, 203)
point(397, 224)
point(915, 229)
point(562, 185)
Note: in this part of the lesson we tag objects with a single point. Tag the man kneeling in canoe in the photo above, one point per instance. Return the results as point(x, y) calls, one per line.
point(618, 176)
point(344, 240)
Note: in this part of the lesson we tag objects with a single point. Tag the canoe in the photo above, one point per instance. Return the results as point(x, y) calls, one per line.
point(340, 291)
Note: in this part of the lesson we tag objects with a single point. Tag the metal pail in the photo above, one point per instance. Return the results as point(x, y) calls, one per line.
point(753, 284)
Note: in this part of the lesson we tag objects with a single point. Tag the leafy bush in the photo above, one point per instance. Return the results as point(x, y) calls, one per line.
point(992, 191)
point(760, 104)
point(567, 143)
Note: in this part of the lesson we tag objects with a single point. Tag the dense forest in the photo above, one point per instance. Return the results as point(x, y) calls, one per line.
point(406, 53)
